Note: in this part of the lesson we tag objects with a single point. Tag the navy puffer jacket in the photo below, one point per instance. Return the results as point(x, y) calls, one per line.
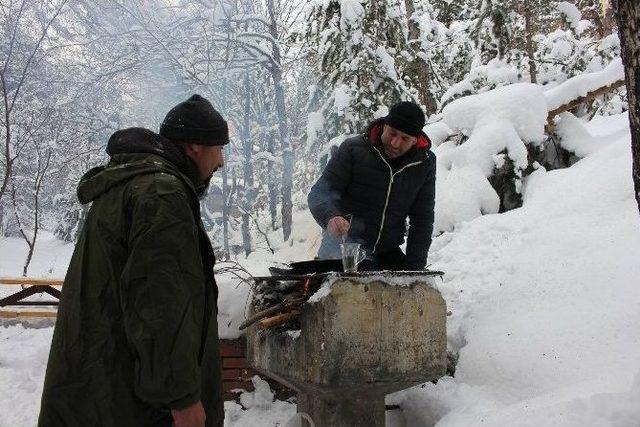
point(380, 194)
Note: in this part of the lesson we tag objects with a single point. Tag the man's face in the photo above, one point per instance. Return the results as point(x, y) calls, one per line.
point(395, 142)
point(213, 160)
point(208, 159)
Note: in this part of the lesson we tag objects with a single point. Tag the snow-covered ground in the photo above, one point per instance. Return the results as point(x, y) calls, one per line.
point(545, 308)
point(545, 304)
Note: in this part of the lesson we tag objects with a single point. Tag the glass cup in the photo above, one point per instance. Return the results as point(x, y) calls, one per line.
point(352, 255)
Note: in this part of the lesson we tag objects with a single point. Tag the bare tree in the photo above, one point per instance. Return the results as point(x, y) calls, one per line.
point(271, 59)
point(33, 207)
point(20, 55)
point(287, 151)
point(627, 14)
point(54, 101)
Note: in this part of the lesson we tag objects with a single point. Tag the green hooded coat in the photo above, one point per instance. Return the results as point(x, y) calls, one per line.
point(136, 332)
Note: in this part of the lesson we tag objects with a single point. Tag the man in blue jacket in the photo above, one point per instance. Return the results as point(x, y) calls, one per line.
point(372, 184)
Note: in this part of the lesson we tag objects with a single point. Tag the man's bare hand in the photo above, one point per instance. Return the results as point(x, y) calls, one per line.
point(191, 416)
point(338, 226)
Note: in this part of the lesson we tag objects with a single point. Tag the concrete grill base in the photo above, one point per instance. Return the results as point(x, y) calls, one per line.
point(373, 334)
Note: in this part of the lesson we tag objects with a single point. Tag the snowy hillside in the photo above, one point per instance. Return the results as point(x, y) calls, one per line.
point(544, 303)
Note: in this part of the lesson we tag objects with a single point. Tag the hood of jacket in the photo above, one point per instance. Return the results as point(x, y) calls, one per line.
point(138, 151)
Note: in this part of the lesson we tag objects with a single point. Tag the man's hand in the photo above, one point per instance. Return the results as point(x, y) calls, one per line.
point(338, 226)
point(191, 416)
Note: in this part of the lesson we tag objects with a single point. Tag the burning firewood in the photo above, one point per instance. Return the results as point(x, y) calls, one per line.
point(279, 299)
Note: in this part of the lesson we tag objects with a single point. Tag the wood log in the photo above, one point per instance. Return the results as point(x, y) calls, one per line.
point(283, 306)
point(278, 319)
point(580, 100)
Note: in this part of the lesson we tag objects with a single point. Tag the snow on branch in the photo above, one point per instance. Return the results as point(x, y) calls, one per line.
point(581, 85)
point(522, 105)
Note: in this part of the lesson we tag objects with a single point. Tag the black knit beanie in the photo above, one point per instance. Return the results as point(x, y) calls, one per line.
point(407, 117)
point(196, 121)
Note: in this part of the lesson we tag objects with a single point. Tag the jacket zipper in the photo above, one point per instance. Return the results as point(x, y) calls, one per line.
point(386, 202)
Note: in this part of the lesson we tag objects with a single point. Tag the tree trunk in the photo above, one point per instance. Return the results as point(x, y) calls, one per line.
point(248, 167)
point(287, 151)
point(529, 32)
point(7, 139)
point(30, 240)
point(418, 69)
point(628, 17)
point(225, 212)
point(272, 182)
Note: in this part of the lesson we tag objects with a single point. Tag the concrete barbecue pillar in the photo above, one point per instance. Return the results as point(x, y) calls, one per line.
point(363, 335)
point(343, 411)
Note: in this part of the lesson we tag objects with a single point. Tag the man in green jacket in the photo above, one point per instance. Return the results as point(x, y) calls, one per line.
point(136, 337)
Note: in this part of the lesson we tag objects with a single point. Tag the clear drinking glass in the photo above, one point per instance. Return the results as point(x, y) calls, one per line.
point(352, 255)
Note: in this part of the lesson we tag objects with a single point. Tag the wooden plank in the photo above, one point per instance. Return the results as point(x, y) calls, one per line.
point(234, 362)
point(30, 281)
point(231, 374)
point(232, 348)
point(26, 314)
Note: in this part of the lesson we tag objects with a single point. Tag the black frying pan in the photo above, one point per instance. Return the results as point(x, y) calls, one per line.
point(309, 267)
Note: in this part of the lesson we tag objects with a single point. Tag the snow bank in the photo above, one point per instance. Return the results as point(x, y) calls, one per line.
point(609, 128)
point(544, 303)
point(23, 361)
point(582, 84)
point(462, 194)
point(498, 123)
point(437, 132)
point(574, 137)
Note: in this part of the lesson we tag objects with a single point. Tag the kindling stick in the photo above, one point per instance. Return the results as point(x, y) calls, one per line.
point(278, 319)
point(282, 306)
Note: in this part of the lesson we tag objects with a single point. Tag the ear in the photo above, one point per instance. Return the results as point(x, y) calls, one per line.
point(192, 149)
